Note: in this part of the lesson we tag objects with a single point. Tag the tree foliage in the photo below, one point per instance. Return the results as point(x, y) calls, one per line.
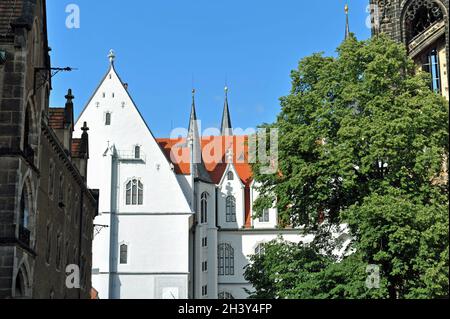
point(362, 138)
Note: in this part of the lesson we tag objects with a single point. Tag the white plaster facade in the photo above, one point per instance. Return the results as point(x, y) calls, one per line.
point(171, 251)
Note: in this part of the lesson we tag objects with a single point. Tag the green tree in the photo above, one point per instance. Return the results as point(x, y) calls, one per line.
point(362, 139)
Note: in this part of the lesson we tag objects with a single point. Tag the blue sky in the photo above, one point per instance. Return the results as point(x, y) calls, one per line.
point(161, 46)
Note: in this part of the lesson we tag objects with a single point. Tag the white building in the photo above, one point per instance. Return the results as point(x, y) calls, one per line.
point(176, 218)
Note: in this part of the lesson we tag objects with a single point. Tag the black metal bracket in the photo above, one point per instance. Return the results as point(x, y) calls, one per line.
point(42, 75)
point(99, 228)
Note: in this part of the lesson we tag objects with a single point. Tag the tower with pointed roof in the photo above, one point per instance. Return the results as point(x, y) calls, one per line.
point(423, 27)
point(226, 128)
point(347, 24)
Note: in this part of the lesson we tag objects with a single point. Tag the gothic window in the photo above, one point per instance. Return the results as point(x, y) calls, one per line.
point(134, 192)
point(58, 251)
point(259, 250)
point(225, 260)
point(123, 254)
point(431, 65)
point(420, 15)
point(225, 295)
point(204, 208)
point(27, 136)
point(51, 178)
point(61, 188)
point(137, 152)
point(265, 216)
point(49, 244)
point(230, 209)
point(230, 176)
point(204, 290)
point(24, 209)
point(108, 118)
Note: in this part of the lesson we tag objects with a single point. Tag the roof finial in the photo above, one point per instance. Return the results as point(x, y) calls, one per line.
point(111, 56)
point(347, 26)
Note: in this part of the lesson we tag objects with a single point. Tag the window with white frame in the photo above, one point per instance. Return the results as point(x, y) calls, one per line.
point(205, 266)
point(264, 218)
point(108, 118)
point(123, 254)
point(134, 193)
point(137, 152)
point(204, 208)
point(225, 260)
point(204, 290)
point(225, 295)
point(230, 211)
point(230, 176)
point(260, 249)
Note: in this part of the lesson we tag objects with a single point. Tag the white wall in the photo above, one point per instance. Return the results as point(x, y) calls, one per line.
point(236, 189)
point(244, 243)
point(157, 231)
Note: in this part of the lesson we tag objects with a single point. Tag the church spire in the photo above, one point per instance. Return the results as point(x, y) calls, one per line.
point(347, 25)
point(226, 127)
point(198, 169)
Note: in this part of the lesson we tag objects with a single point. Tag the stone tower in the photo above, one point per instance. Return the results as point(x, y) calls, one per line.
point(422, 25)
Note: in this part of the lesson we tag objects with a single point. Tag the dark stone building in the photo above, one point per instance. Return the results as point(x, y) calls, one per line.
point(422, 25)
point(46, 209)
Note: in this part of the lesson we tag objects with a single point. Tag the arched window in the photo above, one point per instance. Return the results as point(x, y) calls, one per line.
point(58, 251)
point(420, 16)
point(230, 176)
point(20, 285)
point(123, 254)
point(431, 64)
point(225, 295)
point(108, 118)
point(61, 189)
point(134, 192)
point(230, 209)
point(51, 178)
point(204, 208)
point(24, 209)
point(225, 260)
point(137, 152)
point(49, 244)
point(260, 249)
point(27, 136)
point(24, 218)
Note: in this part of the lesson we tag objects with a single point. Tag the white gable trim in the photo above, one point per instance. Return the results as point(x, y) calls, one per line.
point(230, 167)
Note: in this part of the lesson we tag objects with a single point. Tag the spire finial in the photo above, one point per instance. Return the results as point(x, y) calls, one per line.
point(226, 89)
point(347, 26)
point(111, 56)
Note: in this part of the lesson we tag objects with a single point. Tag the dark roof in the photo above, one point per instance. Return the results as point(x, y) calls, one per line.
point(226, 127)
point(10, 10)
point(56, 118)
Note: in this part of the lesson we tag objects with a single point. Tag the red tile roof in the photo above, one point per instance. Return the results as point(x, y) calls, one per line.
point(214, 155)
point(56, 118)
point(214, 152)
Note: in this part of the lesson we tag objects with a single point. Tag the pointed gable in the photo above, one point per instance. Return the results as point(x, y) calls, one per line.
point(125, 128)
